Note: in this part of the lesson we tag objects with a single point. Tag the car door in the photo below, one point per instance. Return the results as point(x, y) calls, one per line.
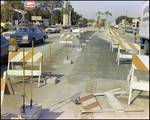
point(40, 32)
point(36, 35)
point(4, 46)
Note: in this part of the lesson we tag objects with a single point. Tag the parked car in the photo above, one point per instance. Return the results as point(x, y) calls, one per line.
point(55, 29)
point(129, 29)
point(116, 27)
point(10, 31)
point(74, 27)
point(4, 49)
point(28, 35)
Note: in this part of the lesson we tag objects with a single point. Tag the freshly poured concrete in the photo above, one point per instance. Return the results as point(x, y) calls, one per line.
point(94, 70)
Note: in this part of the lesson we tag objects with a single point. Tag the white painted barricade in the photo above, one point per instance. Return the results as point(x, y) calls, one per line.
point(111, 33)
point(115, 42)
point(18, 57)
point(3, 81)
point(69, 37)
point(89, 102)
point(139, 62)
point(127, 46)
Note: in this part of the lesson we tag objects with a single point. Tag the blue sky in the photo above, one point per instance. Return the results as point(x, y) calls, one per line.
point(88, 9)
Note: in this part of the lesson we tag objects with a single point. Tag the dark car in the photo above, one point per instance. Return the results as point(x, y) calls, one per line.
point(28, 35)
point(4, 49)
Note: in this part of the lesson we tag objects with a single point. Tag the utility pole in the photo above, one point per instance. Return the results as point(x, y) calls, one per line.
point(24, 15)
point(125, 21)
point(51, 13)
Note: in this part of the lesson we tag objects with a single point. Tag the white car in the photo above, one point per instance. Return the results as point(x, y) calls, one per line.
point(10, 31)
point(55, 29)
point(116, 27)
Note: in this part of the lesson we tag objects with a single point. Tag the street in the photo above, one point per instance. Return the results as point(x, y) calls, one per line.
point(94, 70)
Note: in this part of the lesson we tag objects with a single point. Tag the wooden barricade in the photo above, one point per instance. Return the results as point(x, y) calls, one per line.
point(3, 81)
point(139, 62)
point(69, 37)
point(18, 57)
point(127, 46)
point(115, 42)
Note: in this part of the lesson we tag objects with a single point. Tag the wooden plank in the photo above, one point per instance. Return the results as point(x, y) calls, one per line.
point(114, 102)
point(112, 110)
point(65, 41)
point(140, 86)
point(27, 72)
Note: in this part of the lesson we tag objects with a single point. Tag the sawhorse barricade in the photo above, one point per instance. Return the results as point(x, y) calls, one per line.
point(64, 36)
point(3, 82)
point(127, 46)
point(139, 62)
point(17, 57)
point(115, 42)
point(112, 34)
point(90, 103)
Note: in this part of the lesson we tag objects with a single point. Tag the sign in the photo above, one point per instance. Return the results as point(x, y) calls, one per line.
point(16, 22)
point(135, 20)
point(36, 17)
point(29, 5)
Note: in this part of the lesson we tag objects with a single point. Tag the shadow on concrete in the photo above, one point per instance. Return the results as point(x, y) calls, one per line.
point(63, 101)
point(37, 44)
point(47, 114)
point(139, 96)
point(6, 116)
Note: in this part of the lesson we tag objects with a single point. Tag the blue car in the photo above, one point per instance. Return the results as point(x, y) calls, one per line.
point(28, 35)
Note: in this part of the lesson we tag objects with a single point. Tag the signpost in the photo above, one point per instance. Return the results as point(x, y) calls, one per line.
point(16, 22)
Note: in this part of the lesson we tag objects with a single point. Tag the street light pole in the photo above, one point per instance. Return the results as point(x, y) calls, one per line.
point(51, 13)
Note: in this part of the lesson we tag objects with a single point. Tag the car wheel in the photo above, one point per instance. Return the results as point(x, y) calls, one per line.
point(2, 29)
point(32, 42)
point(146, 48)
point(5, 60)
point(43, 40)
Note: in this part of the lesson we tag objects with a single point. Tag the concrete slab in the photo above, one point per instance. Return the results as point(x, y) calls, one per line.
point(51, 80)
point(84, 44)
point(79, 49)
point(87, 40)
point(67, 61)
point(30, 113)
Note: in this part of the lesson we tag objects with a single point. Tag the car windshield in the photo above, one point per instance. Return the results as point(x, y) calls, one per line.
point(25, 30)
point(12, 28)
point(52, 27)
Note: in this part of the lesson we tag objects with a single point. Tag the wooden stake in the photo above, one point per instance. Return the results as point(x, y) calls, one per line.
point(50, 57)
point(31, 79)
point(23, 82)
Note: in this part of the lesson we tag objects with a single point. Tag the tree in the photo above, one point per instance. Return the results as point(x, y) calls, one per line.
point(119, 19)
point(107, 13)
point(98, 18)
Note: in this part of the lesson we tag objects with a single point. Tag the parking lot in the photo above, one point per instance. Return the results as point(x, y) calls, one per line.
point(94, 70)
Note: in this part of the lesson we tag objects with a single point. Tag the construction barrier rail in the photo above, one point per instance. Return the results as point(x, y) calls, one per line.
point(139, 62)
point(69, 37)
point(115, 42)
point(3, 81)
point(127, 46)
point(15, 57)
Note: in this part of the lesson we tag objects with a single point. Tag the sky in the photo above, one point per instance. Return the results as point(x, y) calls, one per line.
point(88, 9)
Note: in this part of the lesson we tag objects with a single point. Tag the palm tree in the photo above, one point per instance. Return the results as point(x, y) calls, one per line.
point(98, 13)
point(107, 13)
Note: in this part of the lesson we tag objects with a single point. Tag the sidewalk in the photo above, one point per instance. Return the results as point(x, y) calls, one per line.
point(94, 70)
